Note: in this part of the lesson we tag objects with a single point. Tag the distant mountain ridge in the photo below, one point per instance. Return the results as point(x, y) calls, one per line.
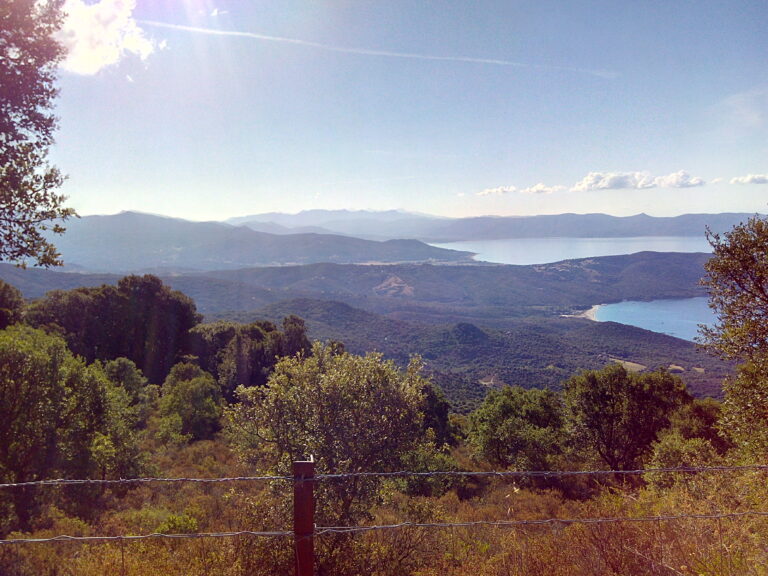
point(136, 242)
point(132, 241)
point(395, 224)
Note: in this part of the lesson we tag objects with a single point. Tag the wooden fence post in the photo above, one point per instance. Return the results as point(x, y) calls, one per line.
point(304, 516)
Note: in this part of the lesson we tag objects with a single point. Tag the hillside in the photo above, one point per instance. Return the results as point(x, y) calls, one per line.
point(493, 323)
point(131, 241)
point(537, 353)
point(450, 293)
point(423, 292)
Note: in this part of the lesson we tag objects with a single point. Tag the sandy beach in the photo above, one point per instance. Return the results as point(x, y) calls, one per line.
point(588, 314)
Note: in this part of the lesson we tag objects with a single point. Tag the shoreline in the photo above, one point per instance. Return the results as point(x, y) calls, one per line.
point(589, 314)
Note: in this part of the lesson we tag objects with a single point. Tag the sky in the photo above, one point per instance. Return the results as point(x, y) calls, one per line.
point(205, 110)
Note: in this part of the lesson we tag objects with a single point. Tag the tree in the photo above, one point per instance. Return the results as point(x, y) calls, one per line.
point(238, 354)
point(140, 319)
point(518, 427)
point(29, 201)
point(618, 414)
point(191, 397)
point(52, 407)
point(11, 304)
point(352, 413)
point(737, 281)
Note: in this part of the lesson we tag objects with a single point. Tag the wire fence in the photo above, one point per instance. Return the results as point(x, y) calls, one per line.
point(514, 474)
point(323, 530)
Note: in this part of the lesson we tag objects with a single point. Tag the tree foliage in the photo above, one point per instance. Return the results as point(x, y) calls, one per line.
point(11, 304)
point(619, 414)
point(53, 405)
point(351, 413)
point(518, 428)
point(245, 354)
point(737, 281)
point(191, 397)
point(29, 200)
point(140, 319)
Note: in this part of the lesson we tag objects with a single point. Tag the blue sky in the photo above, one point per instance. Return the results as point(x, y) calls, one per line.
point(206, 110)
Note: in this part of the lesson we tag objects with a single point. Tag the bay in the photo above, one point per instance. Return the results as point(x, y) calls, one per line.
point(679, 318)
point(524, 251)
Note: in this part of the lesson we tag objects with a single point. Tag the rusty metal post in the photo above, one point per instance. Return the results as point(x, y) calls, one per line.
point(304, 516)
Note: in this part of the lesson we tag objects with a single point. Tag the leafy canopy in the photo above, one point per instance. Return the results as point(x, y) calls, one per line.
point(618, 414)
point(352, 413)
point(29, 201)
point(519, 428)
point(737, 281)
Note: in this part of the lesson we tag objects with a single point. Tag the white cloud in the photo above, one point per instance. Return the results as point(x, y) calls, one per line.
point(679, 179)
point(606, 181)
point(98, 35)
point(541, 188)
point(716, 180)
point(614, 181)
point(751, 179)
point(635, 181)
point(498, 191)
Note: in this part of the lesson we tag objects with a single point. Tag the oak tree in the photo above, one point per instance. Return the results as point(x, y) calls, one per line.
point(30, 203)
point(619, 414)
point(737, 281)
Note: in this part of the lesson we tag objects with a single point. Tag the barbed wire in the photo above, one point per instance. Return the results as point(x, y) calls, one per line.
point(127, 538)
point(544, 473)
point(395, 474)
point(322, 530)
point(97, 481)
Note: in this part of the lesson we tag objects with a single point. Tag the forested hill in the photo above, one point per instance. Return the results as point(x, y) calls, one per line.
point(532, 353)
point(451, 292)
point(130, 242)
point(443, 293)
point(471, 323)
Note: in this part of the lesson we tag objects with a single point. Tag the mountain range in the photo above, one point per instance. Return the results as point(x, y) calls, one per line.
point(136, 242)
point(395, 224)
point(132, 241)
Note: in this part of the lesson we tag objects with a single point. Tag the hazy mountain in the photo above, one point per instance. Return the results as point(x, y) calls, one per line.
point(131, 241)
point(320, 217)
point(582, 226)
point(393, 224)
point(388, 224)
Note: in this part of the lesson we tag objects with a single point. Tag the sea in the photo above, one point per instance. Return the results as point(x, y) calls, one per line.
point(679, 318)
point(545, 250)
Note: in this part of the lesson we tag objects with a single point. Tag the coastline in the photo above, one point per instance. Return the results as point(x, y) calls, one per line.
point(590, 314)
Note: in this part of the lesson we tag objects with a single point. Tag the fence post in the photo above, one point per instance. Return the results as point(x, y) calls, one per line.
point(304, 516)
